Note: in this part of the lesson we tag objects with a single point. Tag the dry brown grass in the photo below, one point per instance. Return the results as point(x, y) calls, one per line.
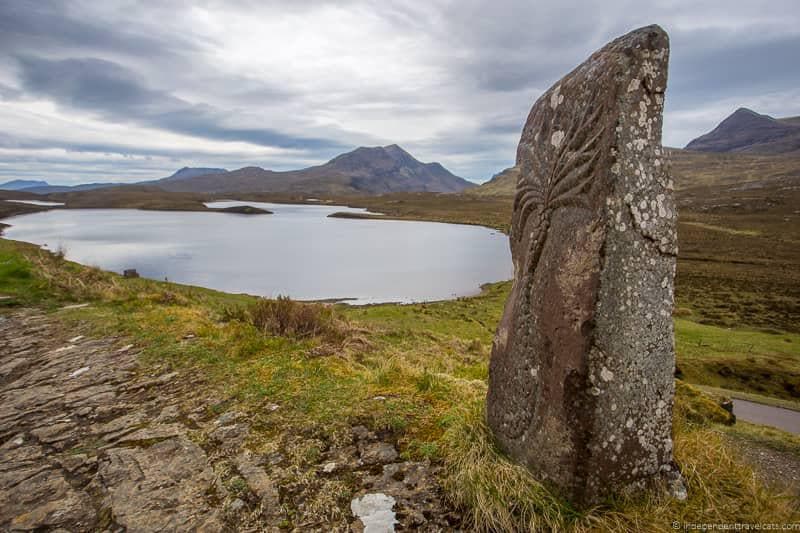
point(60, 276)
point(285, 317)
point(499, 495)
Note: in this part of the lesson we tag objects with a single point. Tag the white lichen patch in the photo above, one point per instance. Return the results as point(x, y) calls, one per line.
point(606, 374)
point(556, 98)
point(557, 138)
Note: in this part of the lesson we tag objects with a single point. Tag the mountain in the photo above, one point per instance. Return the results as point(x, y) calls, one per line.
point(748, 131)
point(374, 170)
point(192, 172)
point(48, 189)
point(18, 185)
point(504, 183)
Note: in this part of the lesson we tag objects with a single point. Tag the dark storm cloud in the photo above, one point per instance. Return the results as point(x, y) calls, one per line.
point(106, 88)
point(57, 25)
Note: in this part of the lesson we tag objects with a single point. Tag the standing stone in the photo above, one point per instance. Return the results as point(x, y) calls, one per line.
point(581, 377)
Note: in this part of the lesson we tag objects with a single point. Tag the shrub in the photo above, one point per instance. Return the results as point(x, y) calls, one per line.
point(287, 318)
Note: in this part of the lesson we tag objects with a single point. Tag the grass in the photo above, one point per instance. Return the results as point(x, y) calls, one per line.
point(719, 392)
point(502, 496)
point(767, 364)
point(414, 373)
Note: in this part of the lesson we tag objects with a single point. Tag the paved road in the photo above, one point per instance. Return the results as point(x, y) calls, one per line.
point(767, 415)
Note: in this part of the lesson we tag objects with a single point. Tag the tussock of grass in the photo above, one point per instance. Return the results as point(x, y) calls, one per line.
point(61, 277)
point(498, 495)
point(286, 318)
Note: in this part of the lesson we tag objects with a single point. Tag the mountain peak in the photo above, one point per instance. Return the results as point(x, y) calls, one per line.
point(192, 172)
point(745, 130)
point(364, 170)
point(744, 111)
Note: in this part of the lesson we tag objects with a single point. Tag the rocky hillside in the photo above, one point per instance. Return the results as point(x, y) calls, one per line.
point(375, 170)
point(748, 131)
point(692, 169)
point(502, 184)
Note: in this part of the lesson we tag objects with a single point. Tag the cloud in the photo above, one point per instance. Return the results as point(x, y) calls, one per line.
point(125, 89)
point(108, 89)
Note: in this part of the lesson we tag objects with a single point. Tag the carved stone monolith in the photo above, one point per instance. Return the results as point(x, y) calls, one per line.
point(581, 377)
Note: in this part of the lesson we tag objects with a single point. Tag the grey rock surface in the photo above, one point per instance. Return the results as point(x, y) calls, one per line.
point(581, 376)
point(139, 447)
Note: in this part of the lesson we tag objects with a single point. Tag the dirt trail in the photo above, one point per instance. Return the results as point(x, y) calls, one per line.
point(91, 440)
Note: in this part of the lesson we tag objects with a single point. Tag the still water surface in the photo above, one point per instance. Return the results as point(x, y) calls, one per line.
point(297, 251)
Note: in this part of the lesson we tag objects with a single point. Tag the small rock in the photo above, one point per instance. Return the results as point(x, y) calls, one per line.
point(677, 488)
point(260, 484)
point(229, 435)
point(155, 432)
point(236, 505)
point(227, 419)
point(378, 453)
point(375, 512)
point(275, 458)
point(80, 371)
point(170, 413)
point(329, 467)
point(75, 306)
point(362, 433)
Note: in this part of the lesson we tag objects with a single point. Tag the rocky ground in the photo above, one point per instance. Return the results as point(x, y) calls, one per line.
point(780, 469)
point(91, 439)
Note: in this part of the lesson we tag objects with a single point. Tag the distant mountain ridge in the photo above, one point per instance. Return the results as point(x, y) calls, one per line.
point(42, 187)
point(20, 185)
point(747, 131)
point(365, 170)
point(47, 189)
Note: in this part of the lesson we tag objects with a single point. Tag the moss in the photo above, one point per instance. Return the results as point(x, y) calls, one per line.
point(694, 406)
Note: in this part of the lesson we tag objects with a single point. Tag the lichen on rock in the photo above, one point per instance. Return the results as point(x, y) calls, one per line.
point(580, 385)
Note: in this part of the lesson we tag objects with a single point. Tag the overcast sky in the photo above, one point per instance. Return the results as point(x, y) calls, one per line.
point(125, 90)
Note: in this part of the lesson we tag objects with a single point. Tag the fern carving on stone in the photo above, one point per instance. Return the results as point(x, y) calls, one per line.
point(556, 177)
